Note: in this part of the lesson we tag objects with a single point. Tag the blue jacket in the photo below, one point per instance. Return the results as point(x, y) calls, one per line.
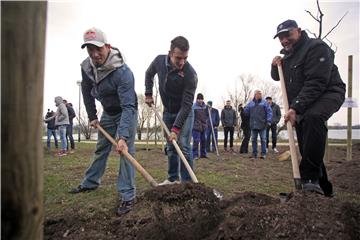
point(200, 117)
point(260, 114)
point(177, 87)
point(215, 118)
point(112, 85)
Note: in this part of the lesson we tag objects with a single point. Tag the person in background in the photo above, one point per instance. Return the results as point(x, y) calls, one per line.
point(276, 115)
point(51, 129)
point(108, 79)
point(260, 115)
point(215, 119)
point(228, 121)
point(199, 127)
point(245, 126)
point(69, 129)
point(177, 86)
point(315, 92)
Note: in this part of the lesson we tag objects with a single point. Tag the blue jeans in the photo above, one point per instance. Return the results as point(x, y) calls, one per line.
point(51, 132)
point(183, 139)
point(199, 138)
point(126, 177)
point(254, 134)
point(62, 133)
point(69, 134)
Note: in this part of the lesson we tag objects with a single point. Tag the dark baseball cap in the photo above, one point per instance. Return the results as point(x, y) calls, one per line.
point(285, 27)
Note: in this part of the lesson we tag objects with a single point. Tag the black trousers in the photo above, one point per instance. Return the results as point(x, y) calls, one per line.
point(273, 128)
point(244, 148)
point(228, 130)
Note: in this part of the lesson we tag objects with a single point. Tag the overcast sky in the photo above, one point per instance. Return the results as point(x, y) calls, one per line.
point(227, 39)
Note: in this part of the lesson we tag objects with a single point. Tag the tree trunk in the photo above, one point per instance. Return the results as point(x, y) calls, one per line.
point(23, 27)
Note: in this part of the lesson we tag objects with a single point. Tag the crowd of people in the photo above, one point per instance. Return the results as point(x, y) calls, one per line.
point(313, 85)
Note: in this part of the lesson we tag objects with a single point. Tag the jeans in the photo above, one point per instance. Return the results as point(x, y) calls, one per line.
point(254, 134)
point(69, 135)
point(273, 135)
point(199, 138)
point(62, 133)
point(126, 177)
point(228, 130)
point(183, 140)
point(51, 132)
point(210, 139)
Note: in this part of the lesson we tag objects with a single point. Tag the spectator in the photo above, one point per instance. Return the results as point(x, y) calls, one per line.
point(260, 117)
point(199, 127)
point(228, 121)
point(276, 115)
point(315, 91)
point(69, 129)
point(215, 119)
point(51, 129)
point(107, 78)
point(177, 86)
point(245, 126)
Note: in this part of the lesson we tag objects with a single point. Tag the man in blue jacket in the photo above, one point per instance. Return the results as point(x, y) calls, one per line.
point(199, 127)
point(215, 118)
point(260, 114)
point(177, 86)
point(107, 78)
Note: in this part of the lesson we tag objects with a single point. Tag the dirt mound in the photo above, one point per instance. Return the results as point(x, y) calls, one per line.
point(346, 176)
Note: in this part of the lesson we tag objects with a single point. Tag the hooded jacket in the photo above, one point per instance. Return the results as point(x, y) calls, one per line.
point(61, 115)
point(310, 74)
point(228, 117)
point(113, 85)
point(276, 113)
point(200, 117)
point(260, 113)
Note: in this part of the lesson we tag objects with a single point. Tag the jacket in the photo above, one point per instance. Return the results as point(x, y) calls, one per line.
point(177, 87)
point(50, 123)
point(113, 85)
point(310, 74)
point(228, 117)
point(200, 117)
point(245, 120)
point(260, 114)
point(61, 115)
point(215, 118)
point(276, 113)
point(71, 113)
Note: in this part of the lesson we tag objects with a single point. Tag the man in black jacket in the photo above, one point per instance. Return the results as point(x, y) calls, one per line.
point(276, 115)
point(315, 91)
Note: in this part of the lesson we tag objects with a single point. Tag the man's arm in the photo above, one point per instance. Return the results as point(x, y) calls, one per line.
point(89, 100)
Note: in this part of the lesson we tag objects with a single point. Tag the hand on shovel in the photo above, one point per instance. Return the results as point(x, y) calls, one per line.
point(121, 146)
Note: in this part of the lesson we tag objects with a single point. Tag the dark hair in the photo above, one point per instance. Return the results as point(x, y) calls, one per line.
point(268, 98)
point(181, 43)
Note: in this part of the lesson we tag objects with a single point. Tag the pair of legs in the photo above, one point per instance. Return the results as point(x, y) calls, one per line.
point(126, 176)
point(273, 128)
point(227, 131)
point(254, 134)
point(69, 135)
point(62, 133)
point(244, 148)
point(51, 132)
point(175, 164)
point(210, 139)
point(199, 138)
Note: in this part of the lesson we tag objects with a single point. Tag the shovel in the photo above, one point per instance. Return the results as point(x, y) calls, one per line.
point(133, 161)
point(213, 134)
point(294, 159)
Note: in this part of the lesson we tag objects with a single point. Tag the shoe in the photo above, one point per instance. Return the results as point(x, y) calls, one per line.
point(72, 151)
point(203, 157)
point(263, 157)
point(167, 182)
point(80, 189)
point(61, 153)
point(312, 186)
point(253, 156)
point(275, 150)
point(125, 207)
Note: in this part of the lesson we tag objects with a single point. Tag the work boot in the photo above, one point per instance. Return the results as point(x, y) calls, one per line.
point(312, 186)
point(80, 189)
point(125, 207)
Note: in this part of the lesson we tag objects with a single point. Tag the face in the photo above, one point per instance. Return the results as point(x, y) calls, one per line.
point(228, 103)
point(200, 101)
point(288, 39)
point(258, 95)
point(98, 55)
point(178, 58)
point(269, 101)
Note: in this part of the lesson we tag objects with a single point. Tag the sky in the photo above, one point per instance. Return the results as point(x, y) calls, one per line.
point(227, 38)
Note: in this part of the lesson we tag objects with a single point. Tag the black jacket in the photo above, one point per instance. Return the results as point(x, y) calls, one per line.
point(310, 74)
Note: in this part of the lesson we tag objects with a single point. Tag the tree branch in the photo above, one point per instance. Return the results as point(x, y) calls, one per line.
point(312, 15)
point(335, 25)
point(311, 32)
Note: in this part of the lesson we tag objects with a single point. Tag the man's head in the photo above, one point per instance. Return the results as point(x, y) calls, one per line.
point(97, 45)
point(257, 94)
point(269, 100)
point(228, 103)
point(289, 33)
point(179, 50)
point(209, 103)
point(200, 98)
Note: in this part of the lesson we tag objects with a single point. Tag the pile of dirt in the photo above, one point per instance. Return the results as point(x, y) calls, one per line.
point(345, 177)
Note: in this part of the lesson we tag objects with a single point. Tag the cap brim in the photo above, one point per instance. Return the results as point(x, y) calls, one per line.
point(283, 30)
point(96, 43)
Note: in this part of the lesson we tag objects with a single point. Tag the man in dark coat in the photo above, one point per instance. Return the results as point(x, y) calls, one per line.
point(276, 115)
point(315, 91)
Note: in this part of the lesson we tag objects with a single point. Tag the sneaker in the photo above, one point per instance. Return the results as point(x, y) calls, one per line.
point(61, 153)
point(203, 157)
point(275, 150)
point(263, 157)
point(253, 155)
point(312, 186)
point(72, 151)
point(167, 182)
point(80, 189)
point(125, 207)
